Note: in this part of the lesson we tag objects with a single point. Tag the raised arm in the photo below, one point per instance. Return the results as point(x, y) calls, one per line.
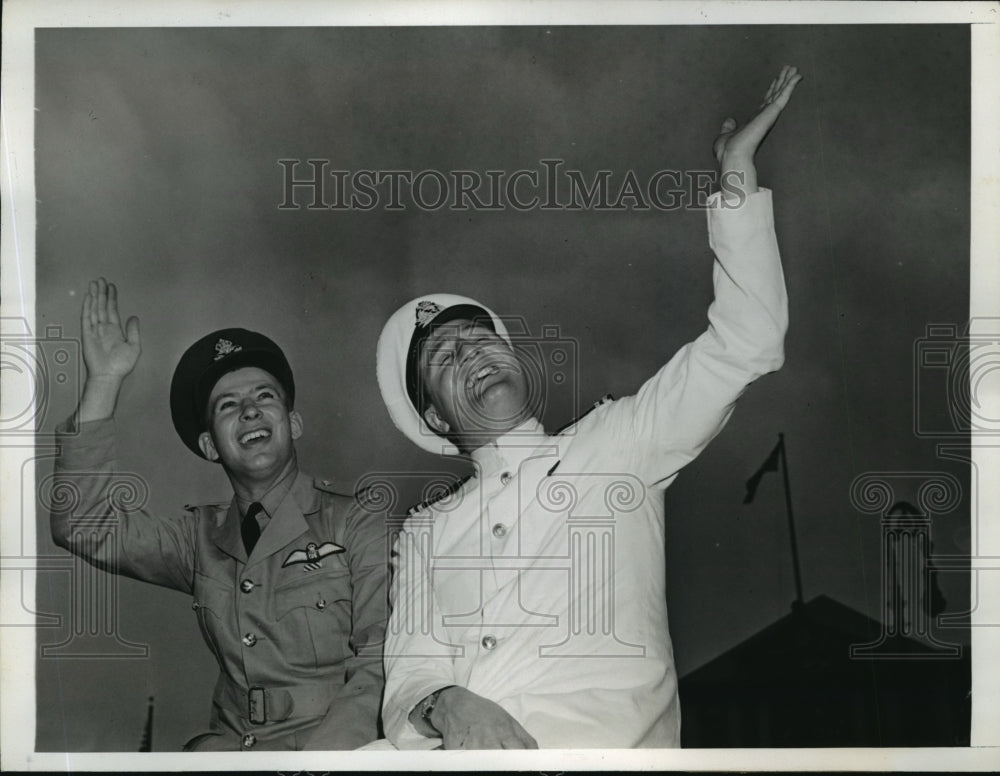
point(679, 410)
point(118, 538)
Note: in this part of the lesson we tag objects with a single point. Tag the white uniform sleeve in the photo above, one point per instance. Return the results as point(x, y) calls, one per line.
point(679, 410)
point(416, 664)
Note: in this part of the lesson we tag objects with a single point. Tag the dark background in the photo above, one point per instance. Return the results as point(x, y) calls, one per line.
point(157, 166)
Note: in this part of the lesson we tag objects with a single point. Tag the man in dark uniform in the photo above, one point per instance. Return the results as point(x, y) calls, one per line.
point(288, 578)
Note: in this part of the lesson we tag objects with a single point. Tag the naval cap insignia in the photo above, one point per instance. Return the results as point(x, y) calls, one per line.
point(426, 312)
point(224, 347)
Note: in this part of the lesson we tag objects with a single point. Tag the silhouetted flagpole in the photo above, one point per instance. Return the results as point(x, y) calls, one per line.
point(147, 734)
point(791, 521)
point(771, 465)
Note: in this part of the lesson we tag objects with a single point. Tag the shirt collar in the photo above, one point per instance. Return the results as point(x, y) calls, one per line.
point(509, 450)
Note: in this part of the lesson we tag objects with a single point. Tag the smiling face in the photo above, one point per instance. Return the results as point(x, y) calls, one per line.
point(476, 385)
point(251, 430)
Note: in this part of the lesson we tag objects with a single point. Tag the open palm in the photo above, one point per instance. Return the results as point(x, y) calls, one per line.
point(744, 142)
point(109, 350)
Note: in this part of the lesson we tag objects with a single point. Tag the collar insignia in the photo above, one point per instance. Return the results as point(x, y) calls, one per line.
point(426, 312)
point(224, 347)
point(312, 555)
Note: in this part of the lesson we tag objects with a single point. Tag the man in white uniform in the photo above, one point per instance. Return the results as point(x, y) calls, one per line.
point(529, 605)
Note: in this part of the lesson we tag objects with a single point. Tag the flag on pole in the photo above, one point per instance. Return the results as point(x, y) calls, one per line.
point(770, 465)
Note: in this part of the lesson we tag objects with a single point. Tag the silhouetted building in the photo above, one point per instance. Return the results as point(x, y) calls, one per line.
point(795, 684)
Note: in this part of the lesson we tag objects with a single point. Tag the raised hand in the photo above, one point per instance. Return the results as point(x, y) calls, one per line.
point(470, 721)
point(746, 140)
point(735, 146)
point(109, 350)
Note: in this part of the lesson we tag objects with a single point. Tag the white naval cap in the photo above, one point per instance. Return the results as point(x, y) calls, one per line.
point(398, 352)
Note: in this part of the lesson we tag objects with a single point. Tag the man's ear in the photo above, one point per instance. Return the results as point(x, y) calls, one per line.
point(295, 423)
point(435, 421)
point(207, 446)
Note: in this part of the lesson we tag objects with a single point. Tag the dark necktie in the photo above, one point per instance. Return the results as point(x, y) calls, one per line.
point(250, 529)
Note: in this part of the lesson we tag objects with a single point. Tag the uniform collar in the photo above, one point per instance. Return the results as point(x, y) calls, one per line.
point(273, 498)
point(288, 521)
point(297, 499)
point(508, 451)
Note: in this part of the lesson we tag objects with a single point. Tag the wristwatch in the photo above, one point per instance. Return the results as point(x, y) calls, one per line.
point(428, 703)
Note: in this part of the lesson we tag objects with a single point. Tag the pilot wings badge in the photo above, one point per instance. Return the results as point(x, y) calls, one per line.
point(312, 556)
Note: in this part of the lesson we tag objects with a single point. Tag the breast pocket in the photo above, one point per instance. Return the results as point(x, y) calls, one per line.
point(314, 616)
point(213, 601)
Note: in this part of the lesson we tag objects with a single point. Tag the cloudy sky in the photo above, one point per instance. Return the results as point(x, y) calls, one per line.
point(157, 166)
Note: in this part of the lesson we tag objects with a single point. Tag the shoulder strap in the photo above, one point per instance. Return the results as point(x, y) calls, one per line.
point(446, 493)
point(605, 399)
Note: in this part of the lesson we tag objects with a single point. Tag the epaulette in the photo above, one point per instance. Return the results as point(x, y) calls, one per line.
point(327, 486)
point(605, 399)
point(451, 490)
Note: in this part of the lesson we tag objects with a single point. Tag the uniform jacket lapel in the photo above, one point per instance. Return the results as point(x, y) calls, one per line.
point(288, 522)
point(226, 532)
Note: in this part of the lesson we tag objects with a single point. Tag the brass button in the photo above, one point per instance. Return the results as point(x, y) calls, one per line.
point(250, 639)
point(489, 642)
point(499, 530)
point(505, 478)
point(321, 603)
point(249, 740)
point(247, 585)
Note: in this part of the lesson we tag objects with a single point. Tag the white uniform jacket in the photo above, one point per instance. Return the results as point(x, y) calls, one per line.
point(539, 584)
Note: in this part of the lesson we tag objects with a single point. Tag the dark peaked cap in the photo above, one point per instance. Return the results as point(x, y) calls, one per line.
point(201, 366)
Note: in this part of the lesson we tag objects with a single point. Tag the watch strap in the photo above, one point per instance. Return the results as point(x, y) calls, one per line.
point(427, 704)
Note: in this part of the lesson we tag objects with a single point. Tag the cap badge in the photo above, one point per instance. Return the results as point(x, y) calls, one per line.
point(426, 312)
point(224, 347)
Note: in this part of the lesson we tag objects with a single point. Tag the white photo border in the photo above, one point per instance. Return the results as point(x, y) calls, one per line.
point(17, 287)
